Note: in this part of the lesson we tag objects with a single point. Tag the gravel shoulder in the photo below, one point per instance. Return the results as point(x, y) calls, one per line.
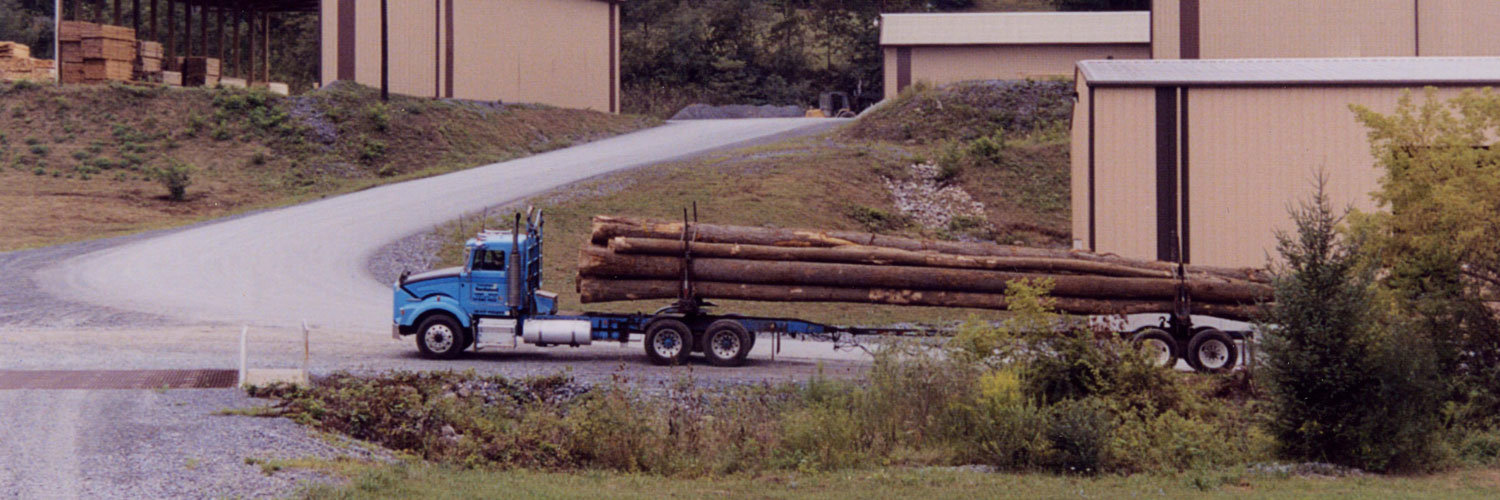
point(153, 444)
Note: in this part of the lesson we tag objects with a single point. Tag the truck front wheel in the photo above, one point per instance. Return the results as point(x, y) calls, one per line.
point(668, 342)
point(440, 337)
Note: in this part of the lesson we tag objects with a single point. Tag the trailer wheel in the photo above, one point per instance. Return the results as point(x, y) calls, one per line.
point(1158, 344)
point(668, 342)
point(726, 342)
point(440, 337)
point(1213, 351)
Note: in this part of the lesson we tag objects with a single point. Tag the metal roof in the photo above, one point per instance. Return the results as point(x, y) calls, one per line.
point(1332, 71)
point(1015, 28)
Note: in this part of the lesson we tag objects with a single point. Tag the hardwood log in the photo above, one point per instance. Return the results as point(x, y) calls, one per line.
point(601, 263)
point(608, 227)
point(855, 254)
point(593, 290)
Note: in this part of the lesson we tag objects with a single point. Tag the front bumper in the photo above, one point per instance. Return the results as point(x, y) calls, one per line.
point(396, 330)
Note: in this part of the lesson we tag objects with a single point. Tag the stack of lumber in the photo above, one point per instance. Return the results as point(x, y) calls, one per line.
point(70, 51)
point(95, 53)
point(148, 61)
point(634, 259)
point(16, 63)
point(200, 71)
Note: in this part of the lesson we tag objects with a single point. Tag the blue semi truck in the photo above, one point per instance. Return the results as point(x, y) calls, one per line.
point(495, 300)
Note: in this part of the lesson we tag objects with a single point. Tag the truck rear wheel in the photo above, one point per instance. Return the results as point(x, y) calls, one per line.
point(668, 342)
point(440, 337)
point(1158, 344)
point(726, 343)
point(1212, 351)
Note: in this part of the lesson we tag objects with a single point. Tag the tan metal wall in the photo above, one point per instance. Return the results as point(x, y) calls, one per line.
point(1252, 153)
point(553, 52)
point(1166, 42)
point(1299, 28)
point(947, 64)
point(1124, 171)
point(1079, 162)
point(1237, 29)
point(1459, 27)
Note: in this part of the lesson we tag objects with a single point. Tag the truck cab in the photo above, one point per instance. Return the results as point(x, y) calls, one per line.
point(498, 281)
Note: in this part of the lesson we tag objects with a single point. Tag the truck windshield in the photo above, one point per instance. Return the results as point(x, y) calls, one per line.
point(489, 260)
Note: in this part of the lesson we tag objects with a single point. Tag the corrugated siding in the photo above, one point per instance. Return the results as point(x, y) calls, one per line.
point(1459, 27)
point(889, 67)
point(1079, 171)
point(1256, 152)
point(1166, 38)
point(1125, 171)
point(552, 52)
point(940, 65)
point(1299, 28)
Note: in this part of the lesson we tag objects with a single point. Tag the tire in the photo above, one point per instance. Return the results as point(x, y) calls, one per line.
point(1161, 344)
point(440, 337)
point(668, 342)
point(1213, 351)
point(726, 343)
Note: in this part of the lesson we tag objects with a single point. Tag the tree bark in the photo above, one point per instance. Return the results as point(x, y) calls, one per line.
point(593, 290)
point(601, 263)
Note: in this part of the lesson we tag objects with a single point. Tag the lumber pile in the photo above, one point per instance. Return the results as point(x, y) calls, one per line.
point(16, 63)
point(148, 61)
point(634, 259)
point(96, 53)
point(200, 71)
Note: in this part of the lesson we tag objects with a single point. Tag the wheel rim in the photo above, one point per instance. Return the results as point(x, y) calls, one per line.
point(1160, 352)
point(726, 345)
point(1213, 354)
point(668, 343)
point(439, 338)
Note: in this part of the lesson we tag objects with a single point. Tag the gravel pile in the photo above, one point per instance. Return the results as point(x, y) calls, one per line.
point(929, 202)
point(707, 112)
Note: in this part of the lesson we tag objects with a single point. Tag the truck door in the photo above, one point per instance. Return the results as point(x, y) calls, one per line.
point(487, 275)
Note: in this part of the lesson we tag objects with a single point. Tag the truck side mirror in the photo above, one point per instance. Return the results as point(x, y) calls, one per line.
point(404, 275)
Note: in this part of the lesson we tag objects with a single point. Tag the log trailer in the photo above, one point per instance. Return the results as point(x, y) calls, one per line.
point(495, 301)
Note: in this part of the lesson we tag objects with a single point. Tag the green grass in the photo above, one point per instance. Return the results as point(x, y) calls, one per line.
point(425, 481)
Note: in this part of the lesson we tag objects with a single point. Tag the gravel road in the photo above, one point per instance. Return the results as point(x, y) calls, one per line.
point(308, 262)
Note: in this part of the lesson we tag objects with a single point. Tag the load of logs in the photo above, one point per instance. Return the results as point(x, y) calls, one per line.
point(635, 259)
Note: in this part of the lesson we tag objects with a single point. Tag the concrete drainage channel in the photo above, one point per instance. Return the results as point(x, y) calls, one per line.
point(117, 379)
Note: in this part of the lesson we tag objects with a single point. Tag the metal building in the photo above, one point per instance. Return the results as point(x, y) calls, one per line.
point(946, 48)
point(1232, 29)
point(1215, 151)
point(558, 52)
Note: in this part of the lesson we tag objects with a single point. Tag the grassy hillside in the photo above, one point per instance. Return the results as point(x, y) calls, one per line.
point(842, 180)
point(79, 162)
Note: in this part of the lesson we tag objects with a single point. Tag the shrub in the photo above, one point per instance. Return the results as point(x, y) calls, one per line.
point(380, 116)
point(371, 150)
point(878, 221)
point(39, 150)
point(1079, 432)
point(1341, 389)
point(176, 177)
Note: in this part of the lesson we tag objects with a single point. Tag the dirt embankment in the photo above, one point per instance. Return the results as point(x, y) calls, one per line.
point(79, 162)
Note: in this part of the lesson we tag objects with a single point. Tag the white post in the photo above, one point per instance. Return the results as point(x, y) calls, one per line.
point(305, 349)
point(244, 331)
